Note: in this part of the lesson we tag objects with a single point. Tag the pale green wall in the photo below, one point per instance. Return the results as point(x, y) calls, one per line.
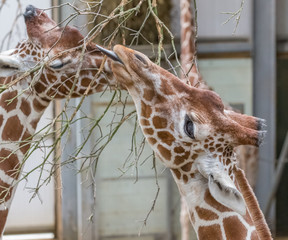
point(231, 79)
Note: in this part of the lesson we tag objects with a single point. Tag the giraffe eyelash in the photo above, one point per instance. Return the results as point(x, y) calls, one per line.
point(197, 118)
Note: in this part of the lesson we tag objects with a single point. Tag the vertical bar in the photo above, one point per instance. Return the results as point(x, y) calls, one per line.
point(69, 173)
point(78, 174)
point(264, 92)
point(69, 182)
point(170, 232)
point(58, 180)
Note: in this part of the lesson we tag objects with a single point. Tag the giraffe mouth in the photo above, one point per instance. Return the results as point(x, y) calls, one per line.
point(9, 62)
point(9, 67)
point(30, 12)
point(110, 54)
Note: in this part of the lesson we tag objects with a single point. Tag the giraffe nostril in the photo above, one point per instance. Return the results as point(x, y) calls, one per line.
point(30, 12)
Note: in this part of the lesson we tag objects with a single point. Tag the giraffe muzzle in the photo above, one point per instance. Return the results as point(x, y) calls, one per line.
point(110, 54)
point(30, 12)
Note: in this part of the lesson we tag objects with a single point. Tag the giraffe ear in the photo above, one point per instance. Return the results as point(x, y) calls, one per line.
point(225, 192)
point(220, 185)
point(9, 64)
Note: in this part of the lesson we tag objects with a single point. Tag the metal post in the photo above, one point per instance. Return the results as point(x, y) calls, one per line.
point(278, 174)
point(69, 191)
point(264, 92)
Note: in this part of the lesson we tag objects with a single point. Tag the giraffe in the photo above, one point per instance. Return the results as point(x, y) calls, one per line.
point(188, 46)
point(65, 68)
point(194, 136)
point(247, 155)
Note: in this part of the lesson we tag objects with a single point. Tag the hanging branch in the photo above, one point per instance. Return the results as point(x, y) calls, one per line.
point(235, 15)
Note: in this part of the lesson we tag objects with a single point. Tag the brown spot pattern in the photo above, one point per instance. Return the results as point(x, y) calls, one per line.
point(166, 87)
point(185, 178)
point(187, 167)
point(144, 122)
point(38, 106)
point(25, 143)
point(85, 82)
point(178, 160)
point(212, 232)
point(1, 120)
point(164, 152)
point(7, 96)
point(25, 107)
point(103, 81)
point(148, 94)
point(5, 191)
point(146, 110)
point(9, 163)
point(211, 149)
point(220, 150)
point(177, 173)
point(159, 122)
point(34, 123)
point(206, 214)
point(148, 131)
point(3, 217)
point(179, 149)
point(166, 137)
point(39, 87)
point(234, 229)
point(12, 130)
point(194, 156)
point(151, 140)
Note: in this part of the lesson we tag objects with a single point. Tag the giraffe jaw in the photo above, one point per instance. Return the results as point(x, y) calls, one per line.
point(110, 54)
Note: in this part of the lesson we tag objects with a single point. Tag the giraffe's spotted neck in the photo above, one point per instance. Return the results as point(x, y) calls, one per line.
point(20, 111)
point(210, 219)
point(19, 114)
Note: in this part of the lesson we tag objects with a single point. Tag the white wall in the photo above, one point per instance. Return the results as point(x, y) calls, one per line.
point(211, 19)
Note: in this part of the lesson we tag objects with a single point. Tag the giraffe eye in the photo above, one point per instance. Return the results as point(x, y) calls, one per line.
point(189, 127)
point(56, 64)
point(141, 59)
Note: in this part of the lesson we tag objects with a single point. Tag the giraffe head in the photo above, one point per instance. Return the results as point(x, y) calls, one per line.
point(187, 127)
point(61, 55)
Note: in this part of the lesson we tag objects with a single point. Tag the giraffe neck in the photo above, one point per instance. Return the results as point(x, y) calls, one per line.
point(52, 82)
point(188, 44)
point(19, 114)
point(210, 219)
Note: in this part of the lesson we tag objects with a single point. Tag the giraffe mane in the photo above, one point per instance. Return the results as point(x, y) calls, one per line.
point(252, 205)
